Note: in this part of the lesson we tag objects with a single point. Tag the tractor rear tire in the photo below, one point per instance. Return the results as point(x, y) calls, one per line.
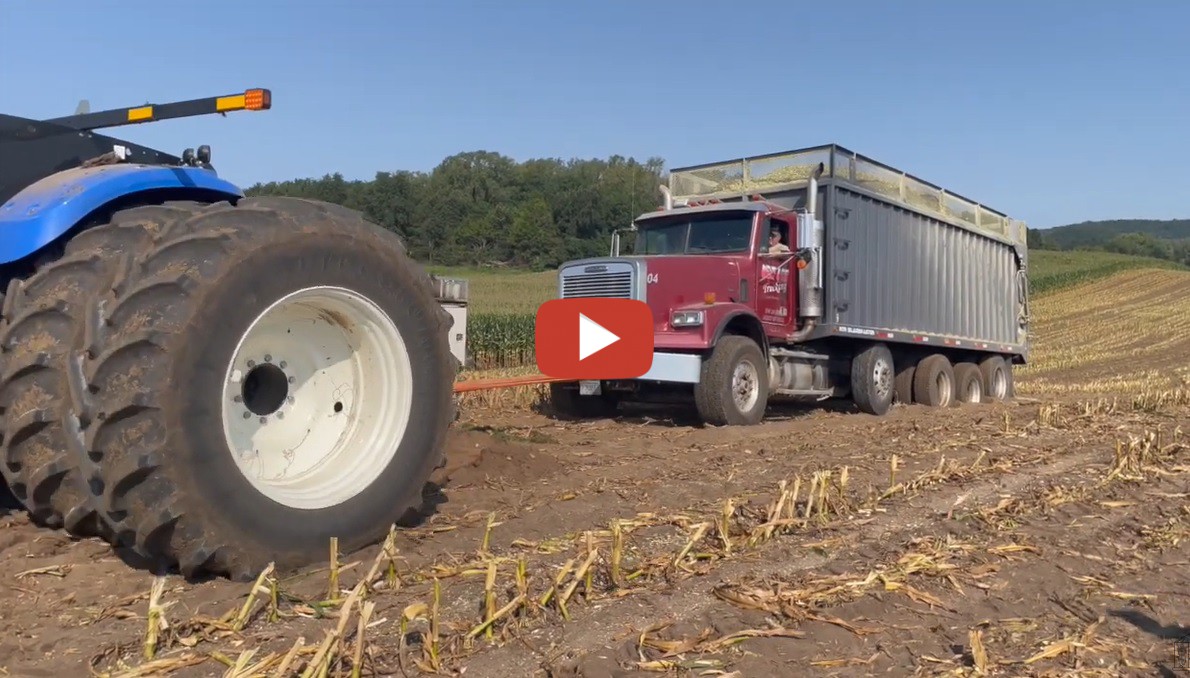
point(733, 389)
point(253, 380)
point(44, 321)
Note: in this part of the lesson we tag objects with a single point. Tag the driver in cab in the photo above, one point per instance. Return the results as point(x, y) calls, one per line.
point(775, 244)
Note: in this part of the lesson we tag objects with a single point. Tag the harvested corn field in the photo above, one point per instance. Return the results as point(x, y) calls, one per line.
point(1047, 536)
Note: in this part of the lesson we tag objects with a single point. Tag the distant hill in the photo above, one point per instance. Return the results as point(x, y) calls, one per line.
point(1089, 233)
point(1168, 239)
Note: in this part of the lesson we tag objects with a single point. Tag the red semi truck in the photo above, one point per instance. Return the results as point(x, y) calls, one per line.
point(813, 274)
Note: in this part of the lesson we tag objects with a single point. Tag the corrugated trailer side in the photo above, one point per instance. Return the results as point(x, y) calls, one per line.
point(913, 278)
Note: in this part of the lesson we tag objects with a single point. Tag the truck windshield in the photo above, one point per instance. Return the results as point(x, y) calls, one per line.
point(699, 234)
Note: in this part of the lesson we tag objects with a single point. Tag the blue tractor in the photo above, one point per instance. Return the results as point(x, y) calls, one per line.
point(214, 381)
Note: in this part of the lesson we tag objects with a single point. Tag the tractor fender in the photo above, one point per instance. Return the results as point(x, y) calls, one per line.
point(46, 210)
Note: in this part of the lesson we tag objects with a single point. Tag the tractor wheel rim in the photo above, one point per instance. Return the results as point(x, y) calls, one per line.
point(745, 386)
point(317, 397)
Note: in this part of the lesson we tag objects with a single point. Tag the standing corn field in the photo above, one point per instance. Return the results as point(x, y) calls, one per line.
point(501, 340)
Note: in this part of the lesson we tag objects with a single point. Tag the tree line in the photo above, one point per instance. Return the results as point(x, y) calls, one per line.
point(1168, 240)
point(486, 209)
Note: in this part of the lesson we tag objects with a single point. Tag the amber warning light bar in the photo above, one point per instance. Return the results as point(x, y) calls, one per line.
point(257, 99)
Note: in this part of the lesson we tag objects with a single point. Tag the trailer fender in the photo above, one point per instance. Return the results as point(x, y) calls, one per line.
point(48, 209)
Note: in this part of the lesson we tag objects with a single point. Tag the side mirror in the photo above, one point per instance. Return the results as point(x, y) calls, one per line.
point(615, 243)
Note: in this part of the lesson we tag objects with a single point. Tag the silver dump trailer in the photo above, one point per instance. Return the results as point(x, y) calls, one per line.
point(900, 256)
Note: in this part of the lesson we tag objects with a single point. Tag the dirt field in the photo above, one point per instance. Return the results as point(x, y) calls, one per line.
point(1049, 536)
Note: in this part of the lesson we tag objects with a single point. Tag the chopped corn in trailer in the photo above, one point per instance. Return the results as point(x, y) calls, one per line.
point(813, 274)
point(214, 381)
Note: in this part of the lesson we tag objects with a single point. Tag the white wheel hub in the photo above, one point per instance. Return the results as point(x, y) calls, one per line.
point(745, 386)
point(999, 385)
point(882, 379)
point(317, 397)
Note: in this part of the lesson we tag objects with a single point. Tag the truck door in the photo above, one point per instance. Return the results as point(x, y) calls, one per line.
point(774, 296)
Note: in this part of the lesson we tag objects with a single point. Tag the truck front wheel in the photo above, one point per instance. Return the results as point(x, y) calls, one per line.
point(733, 389)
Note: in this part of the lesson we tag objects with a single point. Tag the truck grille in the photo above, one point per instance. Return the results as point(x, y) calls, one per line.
point(611, 284)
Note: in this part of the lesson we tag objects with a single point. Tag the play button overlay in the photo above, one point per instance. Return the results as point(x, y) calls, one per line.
point(594, 338)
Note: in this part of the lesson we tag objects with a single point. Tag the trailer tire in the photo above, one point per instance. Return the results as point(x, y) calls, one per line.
point(997, 378)
point(903, 383)
point(933, 381)
point(45, 317)
point(566, 401)
point(733, 388)
point(969, 385)
point(171, 410)
point(872, 379)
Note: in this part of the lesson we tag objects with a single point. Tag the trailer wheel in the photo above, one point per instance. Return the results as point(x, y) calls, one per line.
point(903, 383)
point(996, 378)
point(262, 378)
point(566, 401)
point(969, 386)
point(872, 379)
point(933, 381)
point(733, 389)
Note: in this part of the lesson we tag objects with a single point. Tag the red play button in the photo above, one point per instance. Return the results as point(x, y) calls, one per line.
point(594, 338)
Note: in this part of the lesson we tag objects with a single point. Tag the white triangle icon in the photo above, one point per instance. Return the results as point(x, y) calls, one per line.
point(592, 337)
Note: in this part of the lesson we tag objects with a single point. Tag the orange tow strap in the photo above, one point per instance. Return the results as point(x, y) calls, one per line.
point(509, 382)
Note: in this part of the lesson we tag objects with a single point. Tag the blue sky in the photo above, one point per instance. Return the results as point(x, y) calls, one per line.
point(1053, 112)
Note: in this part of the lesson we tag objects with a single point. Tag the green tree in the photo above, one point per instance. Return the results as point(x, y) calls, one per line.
point(534, 240)
point(1140, 244)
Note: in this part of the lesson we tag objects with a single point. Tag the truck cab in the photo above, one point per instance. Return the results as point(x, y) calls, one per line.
point(710, 274)
point(710, 266)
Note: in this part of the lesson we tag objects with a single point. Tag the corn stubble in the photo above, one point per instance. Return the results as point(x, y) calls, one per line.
point(606, 564)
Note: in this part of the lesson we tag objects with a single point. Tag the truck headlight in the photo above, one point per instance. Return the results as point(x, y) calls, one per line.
point(686, 318)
